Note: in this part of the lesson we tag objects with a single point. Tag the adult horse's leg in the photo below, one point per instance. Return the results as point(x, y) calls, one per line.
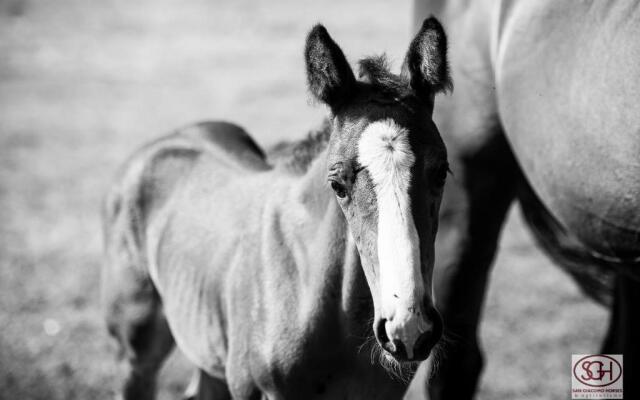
point(623, 336)
point(473, 212)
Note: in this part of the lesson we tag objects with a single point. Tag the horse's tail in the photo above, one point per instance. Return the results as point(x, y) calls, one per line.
point(125, 272)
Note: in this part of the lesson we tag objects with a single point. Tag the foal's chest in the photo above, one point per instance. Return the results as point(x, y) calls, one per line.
point(329, 378)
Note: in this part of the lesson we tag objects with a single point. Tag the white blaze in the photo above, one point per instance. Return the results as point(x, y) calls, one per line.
point(385, 152)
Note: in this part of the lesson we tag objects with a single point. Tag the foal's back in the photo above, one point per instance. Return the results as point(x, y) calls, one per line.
point(149, 177)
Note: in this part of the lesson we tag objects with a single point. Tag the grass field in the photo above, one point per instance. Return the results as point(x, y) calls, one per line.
point(83, 84)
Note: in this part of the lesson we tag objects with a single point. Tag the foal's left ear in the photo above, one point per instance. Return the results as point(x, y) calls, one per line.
point(426, 61)
point(329, 75)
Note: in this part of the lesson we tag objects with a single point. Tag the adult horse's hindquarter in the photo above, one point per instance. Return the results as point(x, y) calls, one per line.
point(568, 88)
point(568, 85)
point(313, 282)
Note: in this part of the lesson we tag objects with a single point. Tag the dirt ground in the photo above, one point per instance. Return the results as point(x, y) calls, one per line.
point(84, 83)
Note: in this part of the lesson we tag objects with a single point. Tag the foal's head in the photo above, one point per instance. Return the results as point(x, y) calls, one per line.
point(387, 166)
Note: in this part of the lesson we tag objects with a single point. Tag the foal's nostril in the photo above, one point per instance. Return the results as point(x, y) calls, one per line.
point(394, 347)
point(399, 350)
point(427, 340)
point(416, 348)
point(436, 321)
point(381, 331)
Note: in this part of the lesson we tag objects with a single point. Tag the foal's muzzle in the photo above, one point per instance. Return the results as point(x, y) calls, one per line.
point(410, 339)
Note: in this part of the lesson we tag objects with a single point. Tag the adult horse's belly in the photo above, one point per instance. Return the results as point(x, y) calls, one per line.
point(568, 84)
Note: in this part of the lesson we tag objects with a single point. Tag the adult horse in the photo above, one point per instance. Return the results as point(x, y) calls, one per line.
point(272, 280)
point(546, 111)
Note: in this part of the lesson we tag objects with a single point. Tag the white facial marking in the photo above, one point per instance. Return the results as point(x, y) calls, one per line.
point(385, 152)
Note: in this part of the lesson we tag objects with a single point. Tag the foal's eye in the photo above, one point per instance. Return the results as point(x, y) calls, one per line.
point(340, 190)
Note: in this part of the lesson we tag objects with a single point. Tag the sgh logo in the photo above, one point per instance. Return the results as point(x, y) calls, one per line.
point(597, 370)
point(596, 376)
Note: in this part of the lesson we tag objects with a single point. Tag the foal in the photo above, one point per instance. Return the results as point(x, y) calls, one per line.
point(273, 281)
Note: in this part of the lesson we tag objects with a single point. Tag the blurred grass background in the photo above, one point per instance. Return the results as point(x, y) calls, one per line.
point(82, 84)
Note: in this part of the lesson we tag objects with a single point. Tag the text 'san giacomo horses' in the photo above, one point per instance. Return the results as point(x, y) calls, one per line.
point(546, 111)
point(285, 282)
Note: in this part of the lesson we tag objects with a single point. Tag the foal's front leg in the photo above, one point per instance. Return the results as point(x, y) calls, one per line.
point(476, 201)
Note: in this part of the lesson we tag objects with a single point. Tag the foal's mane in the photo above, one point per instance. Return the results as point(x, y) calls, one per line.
point(384, 86)
point(296, 156)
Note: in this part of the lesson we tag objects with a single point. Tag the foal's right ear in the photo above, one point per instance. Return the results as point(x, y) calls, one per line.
point(330, 78)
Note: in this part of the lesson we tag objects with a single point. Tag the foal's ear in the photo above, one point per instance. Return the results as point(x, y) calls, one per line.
point(426, 64)
point(329, 75)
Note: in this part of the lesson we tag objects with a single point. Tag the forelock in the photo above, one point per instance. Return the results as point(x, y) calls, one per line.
point(375, 71)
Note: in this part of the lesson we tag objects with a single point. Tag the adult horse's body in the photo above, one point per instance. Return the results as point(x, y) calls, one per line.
point(267, 279)
point(546, 111)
